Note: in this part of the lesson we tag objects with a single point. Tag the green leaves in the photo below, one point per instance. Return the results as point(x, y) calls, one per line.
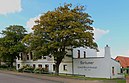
point(63, 27)
point(10, 43)
point(56, 30)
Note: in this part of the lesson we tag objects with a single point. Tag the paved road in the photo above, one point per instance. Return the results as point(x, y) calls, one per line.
point(7, 78)
point(127, 79)
point(15, 77)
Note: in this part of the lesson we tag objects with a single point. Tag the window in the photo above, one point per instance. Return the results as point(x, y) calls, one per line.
point(127, 71)
point(31, 57)
point(78, 53)
point(18, 65)
point(46, 67)
point(65, 67)
point(54, 67)
point(84, 54)
point(121, 70)
point(113, 71)
point(27, 57)
point(50, 56)
point(33, 65)
point(44, 57)
point(40, 65)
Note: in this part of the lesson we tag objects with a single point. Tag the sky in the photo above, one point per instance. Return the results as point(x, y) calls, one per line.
point(111, 19)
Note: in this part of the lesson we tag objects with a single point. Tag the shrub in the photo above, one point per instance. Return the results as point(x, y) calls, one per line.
point(39, 70)
point(3, 66)
point(26, 69)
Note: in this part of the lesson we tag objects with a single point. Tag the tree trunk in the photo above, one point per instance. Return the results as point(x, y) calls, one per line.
point(60, 56)
point(0, 61)
point(57, 68)
point(11, 64)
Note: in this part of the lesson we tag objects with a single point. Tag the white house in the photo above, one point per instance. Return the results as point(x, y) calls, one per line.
point(99, 67)
point(84, 62)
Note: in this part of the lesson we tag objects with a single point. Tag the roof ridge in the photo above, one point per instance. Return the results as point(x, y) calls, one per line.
point(123, 56)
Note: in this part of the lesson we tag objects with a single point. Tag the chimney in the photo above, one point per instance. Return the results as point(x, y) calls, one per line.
point(107, 52)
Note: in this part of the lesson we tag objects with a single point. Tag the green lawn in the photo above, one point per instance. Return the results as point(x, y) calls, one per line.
point(121, 81)
point(87, 78)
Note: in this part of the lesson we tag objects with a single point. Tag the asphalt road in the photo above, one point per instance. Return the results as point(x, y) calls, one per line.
point(8, 78)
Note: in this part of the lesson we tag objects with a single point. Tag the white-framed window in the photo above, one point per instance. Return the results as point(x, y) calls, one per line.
point(40, 65)
point(34, 66)
point(27, 57)
point(46, 67)
point(84, 54)
point(18, 65)
point(65, 67)
point(31, 56)
point(113, 72)
point(78, 53)
point(54, 67)
point(44, 57)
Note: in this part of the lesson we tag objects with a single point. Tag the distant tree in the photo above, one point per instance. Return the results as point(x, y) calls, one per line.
point(10, 43)
point(56, 30)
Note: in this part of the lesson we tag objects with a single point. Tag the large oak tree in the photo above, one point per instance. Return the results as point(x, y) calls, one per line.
point(56, 30)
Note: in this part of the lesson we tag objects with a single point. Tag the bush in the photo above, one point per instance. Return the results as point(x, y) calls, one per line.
point(26, 69)
point(3, 66)
point(30, 69)
point(39, 70)
point(45, 70)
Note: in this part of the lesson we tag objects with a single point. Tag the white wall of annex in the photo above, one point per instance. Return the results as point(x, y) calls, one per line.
point(99, 69)
point(89, 52)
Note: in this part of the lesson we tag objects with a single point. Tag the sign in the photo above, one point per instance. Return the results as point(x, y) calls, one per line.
point(87, 65)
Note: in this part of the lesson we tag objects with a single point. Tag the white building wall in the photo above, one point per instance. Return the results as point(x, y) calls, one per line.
point(89, 52)
point(116, 66)
point(92, 67)
point(69, 68)
point(50, 62)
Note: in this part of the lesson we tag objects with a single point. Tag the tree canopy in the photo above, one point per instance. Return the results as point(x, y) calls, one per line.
point(66, 26)
point(10, 43)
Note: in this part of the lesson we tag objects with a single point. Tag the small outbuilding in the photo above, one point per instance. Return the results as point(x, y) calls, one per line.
point(124, 62)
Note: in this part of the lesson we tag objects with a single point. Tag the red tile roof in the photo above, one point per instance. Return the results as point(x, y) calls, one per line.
point(124, 61)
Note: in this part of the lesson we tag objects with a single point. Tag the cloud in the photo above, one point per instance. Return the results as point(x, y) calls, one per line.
point(31, 22)
point(98, 33)
point(10, 6)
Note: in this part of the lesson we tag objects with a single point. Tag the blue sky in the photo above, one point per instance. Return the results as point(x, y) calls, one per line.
point(111, 18)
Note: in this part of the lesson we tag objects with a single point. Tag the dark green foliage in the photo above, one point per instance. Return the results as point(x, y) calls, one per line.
point(3, 66)
point(31, 69)
point(26, 68)
point(10, 43)
point(40, 70)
